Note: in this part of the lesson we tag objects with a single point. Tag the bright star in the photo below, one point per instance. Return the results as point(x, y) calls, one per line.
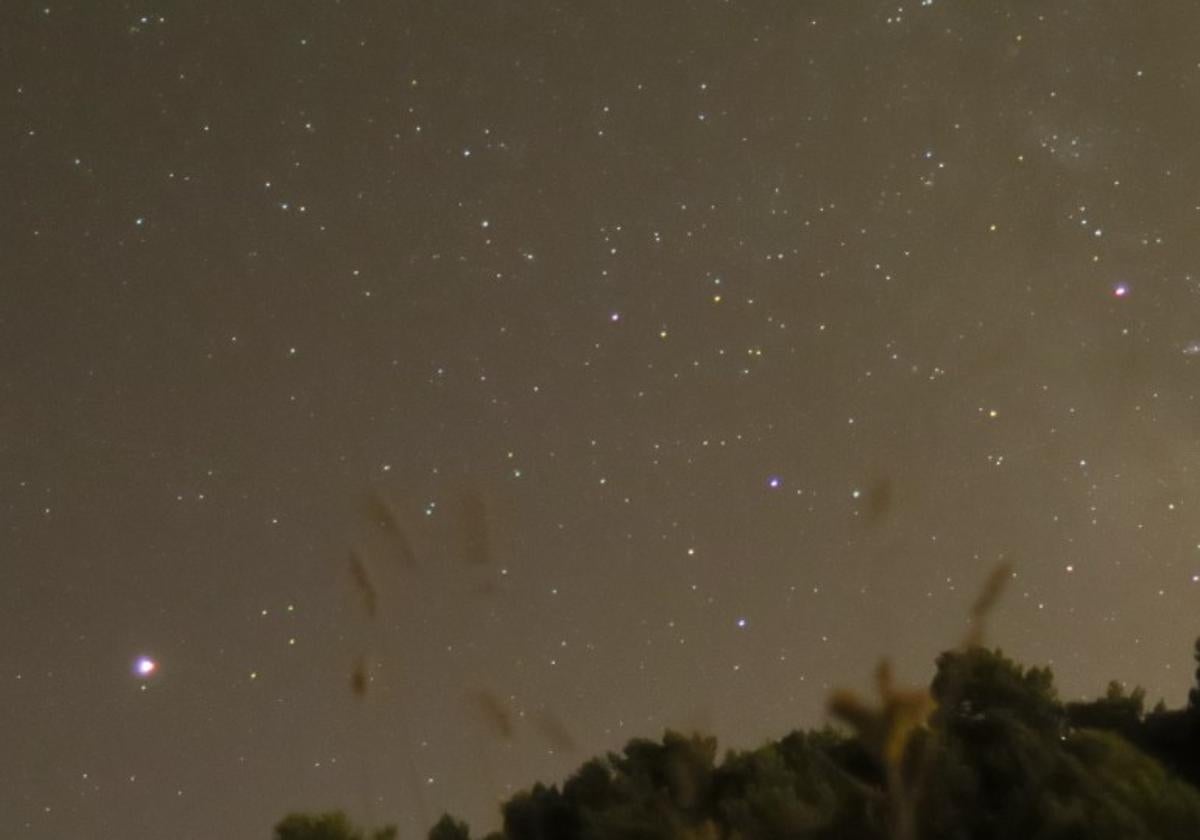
point(144, 666)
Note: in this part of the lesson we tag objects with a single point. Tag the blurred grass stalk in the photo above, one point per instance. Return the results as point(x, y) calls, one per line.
point(886, 730)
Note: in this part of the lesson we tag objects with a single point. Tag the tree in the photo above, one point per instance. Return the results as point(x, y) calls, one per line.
point(784, 790)
point(999, 773)
point(678, 770)
point(331, 825)
point(448, 828)
point(540, 814)
point(1116, 711)
point(974, 683)
point(1000, 758)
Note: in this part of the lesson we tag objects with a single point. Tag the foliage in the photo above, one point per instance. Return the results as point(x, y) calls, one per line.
point(1116, 711)
point(332, 825)
point(448, 828)
point(999, 757)
point(996, 776)
point(979, 683)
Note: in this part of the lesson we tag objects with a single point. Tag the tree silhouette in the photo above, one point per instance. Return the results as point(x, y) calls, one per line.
point(1000, 757)
point(332, 825)
point(448, 828)
point(1116, 711)
point(978, 682)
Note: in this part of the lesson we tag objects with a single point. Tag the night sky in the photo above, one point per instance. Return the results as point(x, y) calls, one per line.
point(661, 365)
